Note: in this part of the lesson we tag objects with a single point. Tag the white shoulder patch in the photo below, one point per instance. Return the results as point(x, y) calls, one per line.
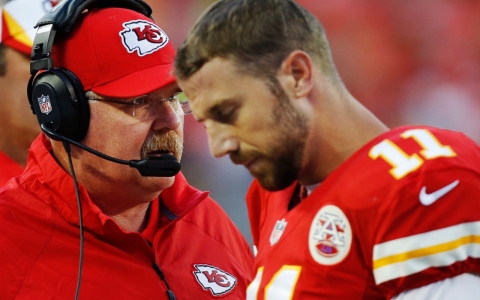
point(214, 279)
point(330, 236)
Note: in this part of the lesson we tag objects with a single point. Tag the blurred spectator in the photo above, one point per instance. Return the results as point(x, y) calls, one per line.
point(410, 61)
point(445, 41)
point(19, 126)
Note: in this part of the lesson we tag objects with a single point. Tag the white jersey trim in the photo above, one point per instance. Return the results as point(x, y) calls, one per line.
point(413, 254)
point(464, 287)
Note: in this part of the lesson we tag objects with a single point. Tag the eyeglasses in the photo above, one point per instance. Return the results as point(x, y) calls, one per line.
point(145, 106)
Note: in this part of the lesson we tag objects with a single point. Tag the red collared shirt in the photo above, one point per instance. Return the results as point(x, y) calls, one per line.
point(200, 253)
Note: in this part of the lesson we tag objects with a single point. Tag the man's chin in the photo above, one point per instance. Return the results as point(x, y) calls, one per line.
point(157, 184)
point(271, 183)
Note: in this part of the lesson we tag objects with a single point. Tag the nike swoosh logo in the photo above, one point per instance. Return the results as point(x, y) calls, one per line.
point(427, 199)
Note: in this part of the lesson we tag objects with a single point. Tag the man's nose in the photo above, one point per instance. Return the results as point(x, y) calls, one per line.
point(221, 139)
point(167, 117)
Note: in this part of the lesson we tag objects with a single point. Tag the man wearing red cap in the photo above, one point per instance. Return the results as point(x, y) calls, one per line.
point(140, 237)
point(19, 128)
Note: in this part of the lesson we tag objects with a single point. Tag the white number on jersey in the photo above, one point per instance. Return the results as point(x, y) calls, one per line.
point(280, 287)
point(402, 163)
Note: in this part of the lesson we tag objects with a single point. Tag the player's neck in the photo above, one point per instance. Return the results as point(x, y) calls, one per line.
point(335, 135)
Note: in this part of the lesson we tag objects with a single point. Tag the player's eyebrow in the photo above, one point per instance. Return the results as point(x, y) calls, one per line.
point(224, 111)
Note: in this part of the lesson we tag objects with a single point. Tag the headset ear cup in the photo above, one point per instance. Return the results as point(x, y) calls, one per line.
point(60, 104)
point(82, 105)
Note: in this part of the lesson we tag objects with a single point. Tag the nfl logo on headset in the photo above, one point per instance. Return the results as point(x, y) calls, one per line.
point(44, 103)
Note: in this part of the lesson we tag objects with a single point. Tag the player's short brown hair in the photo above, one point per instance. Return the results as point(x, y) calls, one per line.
point(258, 34)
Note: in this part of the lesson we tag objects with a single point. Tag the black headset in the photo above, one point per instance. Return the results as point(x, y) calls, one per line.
point(56, 95)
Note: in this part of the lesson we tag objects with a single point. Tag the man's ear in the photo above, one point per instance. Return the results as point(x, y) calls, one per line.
point(298, 67)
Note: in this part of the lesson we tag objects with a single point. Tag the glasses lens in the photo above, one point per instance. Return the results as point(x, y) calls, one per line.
point(141, 107)
point(146, 106)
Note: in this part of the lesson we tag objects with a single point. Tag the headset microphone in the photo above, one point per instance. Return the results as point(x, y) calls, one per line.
point(165, 165)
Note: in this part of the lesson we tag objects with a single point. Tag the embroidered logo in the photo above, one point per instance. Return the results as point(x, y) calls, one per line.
point(277, 231)
point(428, 199)
point(214, 279)
point(143, 36)
point(330, 236)
point(45, 105)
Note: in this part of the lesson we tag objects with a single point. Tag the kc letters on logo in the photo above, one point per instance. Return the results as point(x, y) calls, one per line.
point(143, 36)
point(214, 279)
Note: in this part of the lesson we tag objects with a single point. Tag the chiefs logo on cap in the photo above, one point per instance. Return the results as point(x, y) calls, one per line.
point(214, 279)
point(143, 36)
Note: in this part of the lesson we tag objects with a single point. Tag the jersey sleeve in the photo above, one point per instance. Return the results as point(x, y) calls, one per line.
point(428, 223)
point(465, 287)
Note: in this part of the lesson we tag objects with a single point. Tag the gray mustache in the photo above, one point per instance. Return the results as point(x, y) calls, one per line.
point(169, 142)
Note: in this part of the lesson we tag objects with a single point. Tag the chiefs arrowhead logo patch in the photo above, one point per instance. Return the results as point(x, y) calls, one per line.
point(143, 36)
point(214, 279)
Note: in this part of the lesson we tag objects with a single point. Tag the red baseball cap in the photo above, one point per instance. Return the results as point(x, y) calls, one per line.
point(117, 52)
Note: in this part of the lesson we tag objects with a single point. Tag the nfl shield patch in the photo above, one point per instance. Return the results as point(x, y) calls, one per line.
point(45, 105)
point(277, 231)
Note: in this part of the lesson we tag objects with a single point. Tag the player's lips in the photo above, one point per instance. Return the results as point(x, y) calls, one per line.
point(250, 163)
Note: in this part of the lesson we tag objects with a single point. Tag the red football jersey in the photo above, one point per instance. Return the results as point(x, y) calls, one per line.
point(400, 213)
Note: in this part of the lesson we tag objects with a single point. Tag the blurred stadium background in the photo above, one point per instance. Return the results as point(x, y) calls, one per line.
point(409, 62)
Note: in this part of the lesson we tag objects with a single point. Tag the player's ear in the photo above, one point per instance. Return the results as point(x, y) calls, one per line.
point(298, 67)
